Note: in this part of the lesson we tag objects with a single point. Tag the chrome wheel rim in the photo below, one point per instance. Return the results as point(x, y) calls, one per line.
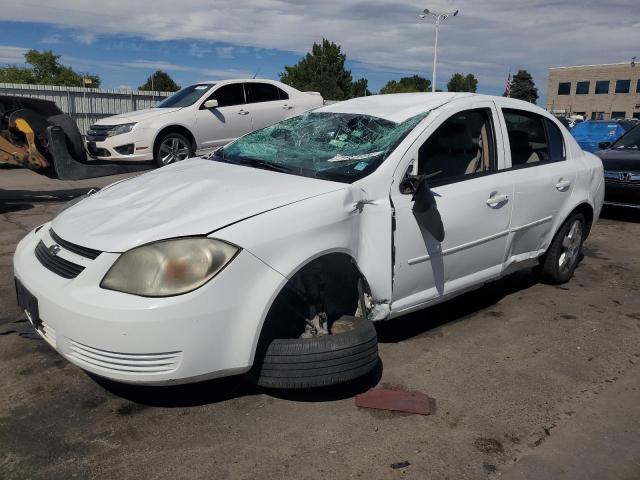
point(173, 150)
point(571, 244)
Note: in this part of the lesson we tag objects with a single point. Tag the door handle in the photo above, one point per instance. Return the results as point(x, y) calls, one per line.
point(563, 185)
point(497, 200)
point(287, 107)
point(243, 112)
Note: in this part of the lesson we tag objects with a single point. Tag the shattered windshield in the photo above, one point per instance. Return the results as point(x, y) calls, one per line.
point(341, 147)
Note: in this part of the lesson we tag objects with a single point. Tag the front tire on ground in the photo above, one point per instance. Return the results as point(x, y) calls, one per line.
point(302, 363)
point(564, 253)
point(171, 148)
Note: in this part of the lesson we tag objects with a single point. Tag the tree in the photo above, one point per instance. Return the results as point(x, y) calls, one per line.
point(160, 81)
point(360, 88)
point(322, 70)
point(461, 83)
point(523, 87)
point(415, 83)
point(45, 69)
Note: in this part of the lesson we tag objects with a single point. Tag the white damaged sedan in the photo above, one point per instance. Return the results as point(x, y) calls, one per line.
point(274, 255)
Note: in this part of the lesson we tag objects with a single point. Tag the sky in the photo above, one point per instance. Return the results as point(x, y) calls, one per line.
point(194, 40)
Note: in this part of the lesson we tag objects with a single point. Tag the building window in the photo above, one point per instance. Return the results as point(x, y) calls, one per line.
point(582, 88)
point(623, 86)
point(618, 115)
point(602, 87)
point(638, 86)
point(637, 114)
point(564, 88)
point(597, 115)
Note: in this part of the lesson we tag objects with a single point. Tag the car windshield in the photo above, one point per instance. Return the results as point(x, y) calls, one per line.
point(342, 147)
point(597, 129)
point(185, 97)
point(630, 141)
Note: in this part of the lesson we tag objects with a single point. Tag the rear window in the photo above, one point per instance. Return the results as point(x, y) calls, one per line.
point(527, 137)
point(262, 92)
point(600, 129)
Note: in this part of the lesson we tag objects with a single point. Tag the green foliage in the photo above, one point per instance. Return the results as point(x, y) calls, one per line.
point(46, 69)
point(415, 83)
point(322, 70)
point(160, 81)
point(461, 83)
point(360, 88)
point(523, 87)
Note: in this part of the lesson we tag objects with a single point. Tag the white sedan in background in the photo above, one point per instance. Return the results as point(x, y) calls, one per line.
point(196, 118)
point(275, 255)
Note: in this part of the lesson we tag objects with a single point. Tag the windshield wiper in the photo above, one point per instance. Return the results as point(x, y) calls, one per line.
point(261, 164)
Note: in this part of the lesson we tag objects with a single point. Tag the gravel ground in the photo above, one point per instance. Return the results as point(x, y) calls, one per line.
point(513, 367)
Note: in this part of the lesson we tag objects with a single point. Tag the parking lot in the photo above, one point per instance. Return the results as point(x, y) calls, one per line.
point(530, 381)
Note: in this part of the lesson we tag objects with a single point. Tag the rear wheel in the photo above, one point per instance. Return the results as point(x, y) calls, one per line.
point(171, 148)
point(564, 253)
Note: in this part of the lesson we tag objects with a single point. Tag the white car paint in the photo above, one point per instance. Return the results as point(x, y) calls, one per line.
point(282, 222)
point(207, 128)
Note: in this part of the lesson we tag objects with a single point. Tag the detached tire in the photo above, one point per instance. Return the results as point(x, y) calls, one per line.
point(303, 363)
point(564, 253)
point(75, 144)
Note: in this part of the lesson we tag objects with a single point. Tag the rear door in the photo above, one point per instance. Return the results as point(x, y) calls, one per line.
point(229, 120)
point(268, 104)
point(543, 179)
point(462, 158)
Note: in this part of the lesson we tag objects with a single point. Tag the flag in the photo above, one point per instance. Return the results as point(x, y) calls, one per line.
point(507, 87)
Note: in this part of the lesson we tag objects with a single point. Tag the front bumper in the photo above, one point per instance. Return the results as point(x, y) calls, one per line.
point(622, 194)
point(134, 146)
point(210, 332)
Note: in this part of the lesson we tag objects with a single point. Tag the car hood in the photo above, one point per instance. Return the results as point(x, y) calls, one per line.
point(193, 197)
point(137, 116)
point(620, 160)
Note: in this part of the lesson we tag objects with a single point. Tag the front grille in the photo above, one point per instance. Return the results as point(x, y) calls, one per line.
point(72, 247)
point(56, 264)
point(140, 363)
point(98, 133)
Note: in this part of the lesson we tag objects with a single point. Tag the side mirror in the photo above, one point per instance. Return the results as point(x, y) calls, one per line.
point(425, 209)
point(210, 104)
point(604, 145)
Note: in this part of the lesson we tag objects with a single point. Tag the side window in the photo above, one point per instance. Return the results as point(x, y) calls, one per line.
point(527, 137)
point(229, 95)
point(556, 141)
point(282, 94)
point(463, 145)
point(261, 92)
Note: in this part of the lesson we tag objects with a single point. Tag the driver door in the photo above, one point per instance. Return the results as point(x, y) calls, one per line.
point(461, 154)
point(226, 122)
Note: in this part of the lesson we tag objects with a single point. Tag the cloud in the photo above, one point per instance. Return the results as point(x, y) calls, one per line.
point(52, 39)
point(209, 73)
point(84, 37)
point(224, 52)
point(487, 38)
point(10, 54)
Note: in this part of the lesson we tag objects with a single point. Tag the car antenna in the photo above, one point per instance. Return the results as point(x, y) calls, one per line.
point(256, 74)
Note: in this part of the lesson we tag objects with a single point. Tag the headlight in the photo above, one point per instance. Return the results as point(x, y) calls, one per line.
point(169, 267)
point(119, 129)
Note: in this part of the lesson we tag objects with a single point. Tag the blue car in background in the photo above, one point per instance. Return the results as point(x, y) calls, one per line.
point(590, 133)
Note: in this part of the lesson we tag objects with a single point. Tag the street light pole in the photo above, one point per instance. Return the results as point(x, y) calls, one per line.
point(440, 17)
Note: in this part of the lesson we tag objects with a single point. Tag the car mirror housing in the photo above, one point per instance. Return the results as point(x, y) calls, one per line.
point(425, 209)
point(211, 104)
point(604, 145)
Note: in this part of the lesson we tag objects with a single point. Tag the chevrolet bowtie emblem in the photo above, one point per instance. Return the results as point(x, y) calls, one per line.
point(54, 249)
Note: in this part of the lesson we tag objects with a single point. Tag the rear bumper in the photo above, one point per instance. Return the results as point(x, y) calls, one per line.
point(210, 332)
